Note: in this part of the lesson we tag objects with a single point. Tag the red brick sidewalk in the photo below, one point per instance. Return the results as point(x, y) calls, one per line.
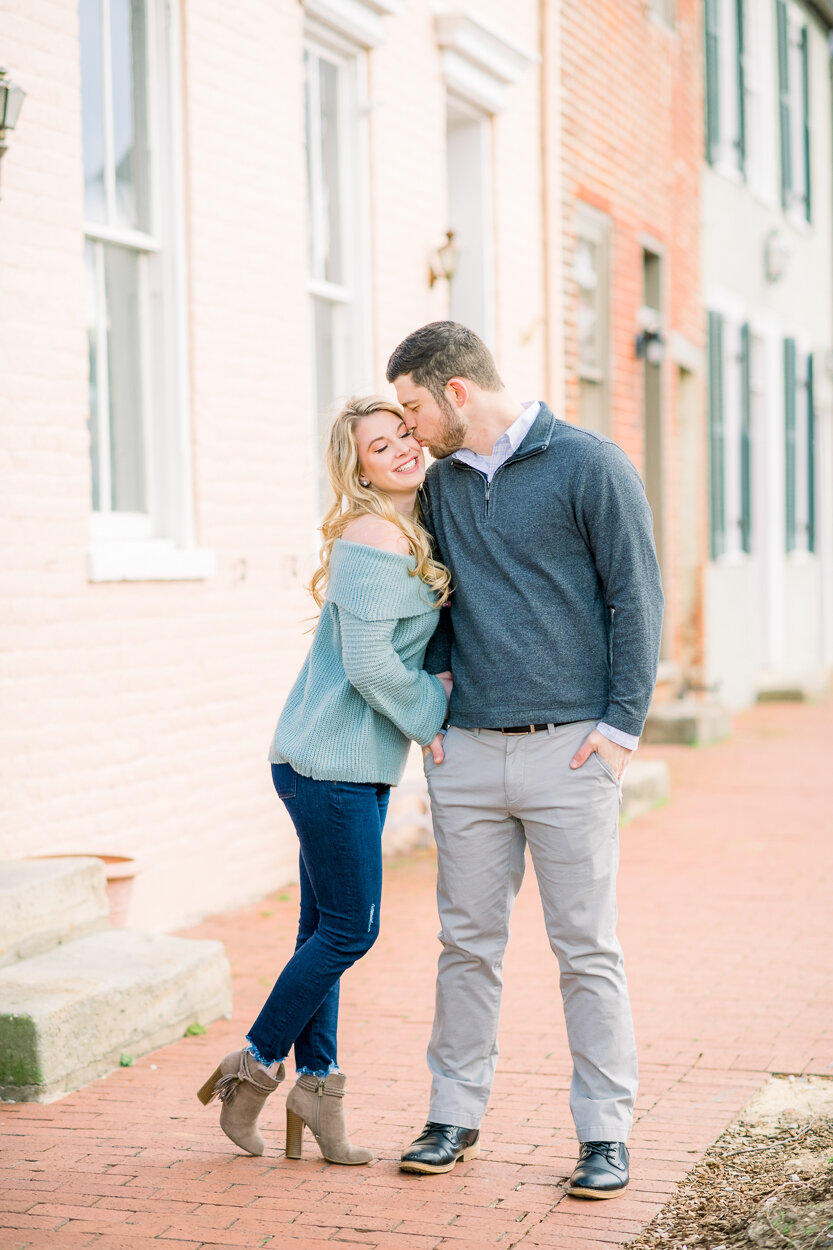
point(725, 896)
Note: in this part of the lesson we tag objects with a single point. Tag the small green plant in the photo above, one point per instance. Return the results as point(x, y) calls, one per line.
point(195, 1030)
point(126, 1061)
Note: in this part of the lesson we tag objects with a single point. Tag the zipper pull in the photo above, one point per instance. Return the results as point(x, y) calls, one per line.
point(320, 1088)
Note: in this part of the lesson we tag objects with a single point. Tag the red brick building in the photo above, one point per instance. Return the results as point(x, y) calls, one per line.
point(631, 159)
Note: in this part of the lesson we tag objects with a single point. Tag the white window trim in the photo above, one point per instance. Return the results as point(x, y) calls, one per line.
point(154, 560)
point(122, 545)
point(803, 351)
point(479, 63)
point(462, 110)
point(761, 85)
point(663, 20)
point(597, 227)
point(356, 292)
point(734, 314)
point(360, 21)
point(795, 212)
point(727, 158)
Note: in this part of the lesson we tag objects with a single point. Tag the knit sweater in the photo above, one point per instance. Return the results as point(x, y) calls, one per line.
point(556, 610)
point(362, 694)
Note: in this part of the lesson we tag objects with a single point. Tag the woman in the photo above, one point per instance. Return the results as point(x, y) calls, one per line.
point(340, 744)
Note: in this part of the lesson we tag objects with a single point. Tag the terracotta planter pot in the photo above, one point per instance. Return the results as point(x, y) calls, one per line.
point(120, 871)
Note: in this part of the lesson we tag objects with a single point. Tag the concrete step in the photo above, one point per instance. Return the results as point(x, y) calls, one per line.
point(44, 902)
point(687, 722)
point(810, 688)
point(645, 785)
point(66, 1017)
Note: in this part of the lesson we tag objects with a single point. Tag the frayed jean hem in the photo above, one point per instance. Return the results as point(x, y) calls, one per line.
point(261, 1058)
point(321, 1075)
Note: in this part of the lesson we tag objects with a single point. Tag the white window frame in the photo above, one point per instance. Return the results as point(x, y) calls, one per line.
point(353, 355)
point(727, 159)
point(475, 255)
point(479, 65)
point(597, 228)
point(801, 553)
point(665, 13)
point(796, 24)
point(158, 544)
point(734, 316)
point(761, 106)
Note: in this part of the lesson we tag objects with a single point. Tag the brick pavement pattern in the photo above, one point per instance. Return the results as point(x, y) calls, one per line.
point(725, 901)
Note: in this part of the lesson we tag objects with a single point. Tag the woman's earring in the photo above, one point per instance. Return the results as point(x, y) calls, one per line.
point(363, 482)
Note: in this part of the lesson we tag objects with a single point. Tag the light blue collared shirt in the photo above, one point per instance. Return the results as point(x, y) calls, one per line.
point(506, 446)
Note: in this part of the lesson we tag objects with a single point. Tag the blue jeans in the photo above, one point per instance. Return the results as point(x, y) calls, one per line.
point(339, 826)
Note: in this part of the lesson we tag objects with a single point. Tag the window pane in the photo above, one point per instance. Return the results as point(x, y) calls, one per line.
point(330, 143)
point(588, 320)
point(92, 110)
point(127, 42)
point(127, 442)
point(325, 315)
point(93, 318)
point(325, 330)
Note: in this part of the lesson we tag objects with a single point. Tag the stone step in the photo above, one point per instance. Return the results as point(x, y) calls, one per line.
point(44, 902)
point(780, 689)
point(686, 722)
point(645, 785)
point(68, 1016)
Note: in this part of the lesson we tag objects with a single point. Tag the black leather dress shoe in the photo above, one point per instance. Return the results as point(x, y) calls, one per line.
point(439, 1147)
point(601, 1171)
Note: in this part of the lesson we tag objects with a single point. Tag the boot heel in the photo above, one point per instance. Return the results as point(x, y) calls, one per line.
point(294, 1135)
point(206, 1092)
point(471, 1152)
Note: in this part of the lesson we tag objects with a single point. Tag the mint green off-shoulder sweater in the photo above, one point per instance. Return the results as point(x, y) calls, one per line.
point(362, 694)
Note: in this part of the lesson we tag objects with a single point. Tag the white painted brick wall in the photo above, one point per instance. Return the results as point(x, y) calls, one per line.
point(135, 718)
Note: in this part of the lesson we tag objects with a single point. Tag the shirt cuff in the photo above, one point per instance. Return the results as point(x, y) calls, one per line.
point(618, 736)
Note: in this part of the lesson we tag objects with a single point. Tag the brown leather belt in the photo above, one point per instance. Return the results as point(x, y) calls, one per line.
point(517, 729)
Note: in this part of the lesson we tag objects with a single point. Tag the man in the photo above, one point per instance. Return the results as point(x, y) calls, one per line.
point(552, 636)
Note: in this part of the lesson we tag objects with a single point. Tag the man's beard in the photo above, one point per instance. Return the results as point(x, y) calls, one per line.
point(453, 434)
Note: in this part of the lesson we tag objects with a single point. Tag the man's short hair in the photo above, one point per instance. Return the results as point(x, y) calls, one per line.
point(442, 350)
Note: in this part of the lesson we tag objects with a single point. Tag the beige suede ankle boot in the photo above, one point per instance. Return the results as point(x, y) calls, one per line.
point(242, 1087)
point(319, 1103)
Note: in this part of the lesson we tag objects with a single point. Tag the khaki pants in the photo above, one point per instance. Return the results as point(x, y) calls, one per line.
point(493, 795)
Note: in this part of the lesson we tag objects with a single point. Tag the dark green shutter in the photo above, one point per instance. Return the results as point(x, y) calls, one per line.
point(811, 458)
point(717, 508)
point(741, 84)
point(789, 443)
point(712, 28)
point(745, 440)
point(783, 33)
point(805, 106)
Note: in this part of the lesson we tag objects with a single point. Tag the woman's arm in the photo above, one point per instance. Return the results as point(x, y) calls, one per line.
point(412, 699)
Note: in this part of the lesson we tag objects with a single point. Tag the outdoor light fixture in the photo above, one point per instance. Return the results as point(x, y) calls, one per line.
point(444, 263)
point(777, 255)
point(11, 102)
point(650, 346)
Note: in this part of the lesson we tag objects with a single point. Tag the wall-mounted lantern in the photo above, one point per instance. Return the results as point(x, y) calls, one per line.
point(11, 102)
point(444, 262)
point(778, 252)
point(650, 346)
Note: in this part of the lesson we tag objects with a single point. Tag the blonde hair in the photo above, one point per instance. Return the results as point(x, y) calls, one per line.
point(353, 500)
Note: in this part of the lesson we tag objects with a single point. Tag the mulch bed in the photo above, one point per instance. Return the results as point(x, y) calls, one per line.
point(767, 1182)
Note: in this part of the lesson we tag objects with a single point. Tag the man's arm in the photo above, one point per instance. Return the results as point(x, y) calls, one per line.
point(615, 520)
